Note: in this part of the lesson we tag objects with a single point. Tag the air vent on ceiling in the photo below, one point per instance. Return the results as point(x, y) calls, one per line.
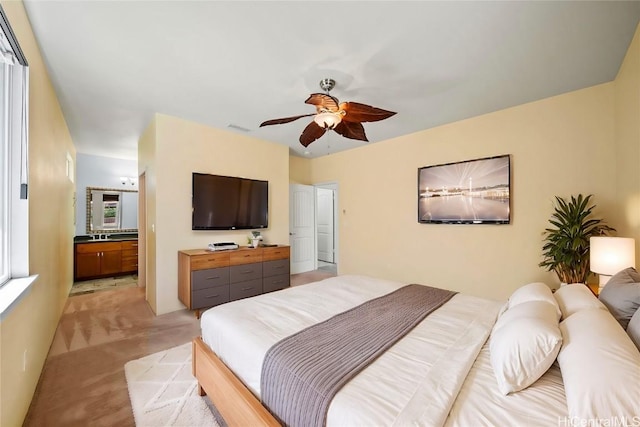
point(240, 128)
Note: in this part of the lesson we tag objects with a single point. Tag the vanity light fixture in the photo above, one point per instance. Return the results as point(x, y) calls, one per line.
point(124, 180)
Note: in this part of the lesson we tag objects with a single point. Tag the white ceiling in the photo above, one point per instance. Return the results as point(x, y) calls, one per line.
point(115, 63)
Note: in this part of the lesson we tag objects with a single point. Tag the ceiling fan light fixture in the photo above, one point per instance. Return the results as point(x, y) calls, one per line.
point(327, 119)
point(329, 115)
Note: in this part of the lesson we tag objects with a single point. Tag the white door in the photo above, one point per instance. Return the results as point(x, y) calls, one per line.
point(325, 224)
point(302, 228)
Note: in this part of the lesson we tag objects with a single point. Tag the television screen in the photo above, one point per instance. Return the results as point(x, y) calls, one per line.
point(229, 203)
point(469, 192)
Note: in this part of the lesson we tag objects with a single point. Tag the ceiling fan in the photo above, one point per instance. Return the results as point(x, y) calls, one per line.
point(345, 118)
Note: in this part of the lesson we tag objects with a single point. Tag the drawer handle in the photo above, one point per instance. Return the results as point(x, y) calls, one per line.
point(278, 267)
point(247, 272)
point(247, 256)
point(135, 245)
point(213, 296)
point(275, 282)
point(211, 259)
point(213, 277)
point(247, 289)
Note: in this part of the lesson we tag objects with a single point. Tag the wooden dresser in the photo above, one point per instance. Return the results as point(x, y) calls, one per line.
point(105, 258)
point(207, 279)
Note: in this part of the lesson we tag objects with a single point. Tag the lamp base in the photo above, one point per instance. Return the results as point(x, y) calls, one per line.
point(603, 281)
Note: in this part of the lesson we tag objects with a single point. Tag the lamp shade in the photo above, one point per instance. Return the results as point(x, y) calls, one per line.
point(327, 119)
point(609, 255)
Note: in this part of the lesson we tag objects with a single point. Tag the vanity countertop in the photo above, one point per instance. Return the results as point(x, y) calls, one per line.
point(113, 238)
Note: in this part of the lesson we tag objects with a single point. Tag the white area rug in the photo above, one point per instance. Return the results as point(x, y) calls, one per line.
point(164, 393)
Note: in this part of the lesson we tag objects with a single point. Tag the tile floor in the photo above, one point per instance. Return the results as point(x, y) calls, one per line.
point(109, 283)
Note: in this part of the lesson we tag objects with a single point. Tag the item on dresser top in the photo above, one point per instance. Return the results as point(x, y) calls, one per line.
point(222, 246)
point(255, 239)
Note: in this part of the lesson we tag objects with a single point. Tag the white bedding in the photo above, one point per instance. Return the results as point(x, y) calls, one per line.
point(480, 403)
point(414, 383)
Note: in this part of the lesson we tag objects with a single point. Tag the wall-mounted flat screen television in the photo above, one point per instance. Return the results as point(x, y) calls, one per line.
point(468, 192)
point(229, 203)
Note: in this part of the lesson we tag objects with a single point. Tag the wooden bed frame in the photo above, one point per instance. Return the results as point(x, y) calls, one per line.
point(235, 402)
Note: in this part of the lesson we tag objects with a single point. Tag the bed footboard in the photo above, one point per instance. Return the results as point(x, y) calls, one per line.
point(237, 405)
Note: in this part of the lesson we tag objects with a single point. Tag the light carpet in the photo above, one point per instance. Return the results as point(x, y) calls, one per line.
point(163, 391)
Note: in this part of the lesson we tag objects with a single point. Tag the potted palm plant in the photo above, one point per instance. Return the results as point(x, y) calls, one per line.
point(566, 243)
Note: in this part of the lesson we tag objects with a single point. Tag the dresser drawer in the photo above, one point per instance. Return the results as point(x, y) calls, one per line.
point(209, 297)
point(203, 279)
point(130, 265)
point(245, 256)
point(246, 289)
point(275, 268)
point(275, 283)
point(92, 248)
point(242, 273)
point(273, 253)
point(130, 245)
point(212, 260)
point(133, 253)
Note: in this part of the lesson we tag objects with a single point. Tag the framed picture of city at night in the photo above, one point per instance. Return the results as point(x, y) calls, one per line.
point(467, 192)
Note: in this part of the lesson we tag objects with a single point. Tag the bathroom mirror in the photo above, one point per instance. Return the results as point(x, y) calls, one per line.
point(111, 210)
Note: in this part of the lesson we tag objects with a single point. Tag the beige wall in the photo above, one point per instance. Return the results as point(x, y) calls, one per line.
point(183, 147)
point(627, 144)
point(32, 323)
point(299, 170)
point(559, 146)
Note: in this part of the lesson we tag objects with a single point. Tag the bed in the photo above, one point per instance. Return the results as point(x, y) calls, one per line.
point(439, 374)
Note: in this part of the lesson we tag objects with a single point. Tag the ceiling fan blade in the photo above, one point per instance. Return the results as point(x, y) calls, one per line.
point(311, 133)
point(356, 112)
point(323, 101)
point(352, 130)
point(284, 120)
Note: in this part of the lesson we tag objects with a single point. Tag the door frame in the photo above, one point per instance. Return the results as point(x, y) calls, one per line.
point(142, 230)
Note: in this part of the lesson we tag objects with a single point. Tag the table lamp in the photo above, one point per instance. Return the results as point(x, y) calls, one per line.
point(609, 255)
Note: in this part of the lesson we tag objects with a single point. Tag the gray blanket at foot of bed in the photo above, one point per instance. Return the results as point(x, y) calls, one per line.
point(302, 373)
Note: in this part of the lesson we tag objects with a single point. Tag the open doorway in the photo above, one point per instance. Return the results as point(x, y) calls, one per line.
point(327, 226)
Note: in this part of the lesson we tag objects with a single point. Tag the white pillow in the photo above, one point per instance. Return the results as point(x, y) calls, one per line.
point(600, 369)
point(536, 291)
point(524, 343)
point(576, 297)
